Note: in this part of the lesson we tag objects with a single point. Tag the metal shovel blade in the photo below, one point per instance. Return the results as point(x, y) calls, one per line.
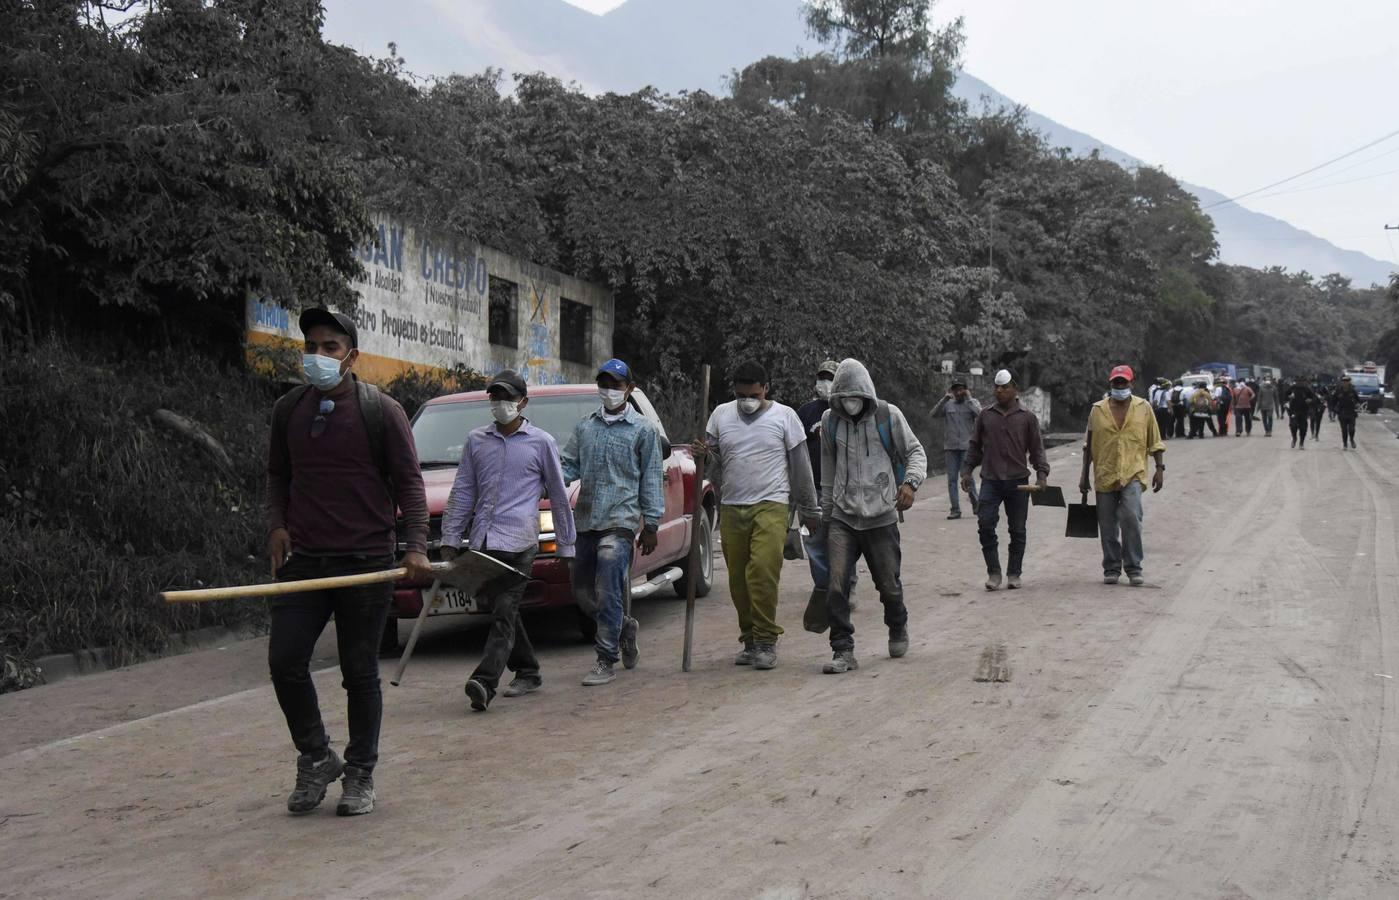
point(1083, 520)
point(1049, 495)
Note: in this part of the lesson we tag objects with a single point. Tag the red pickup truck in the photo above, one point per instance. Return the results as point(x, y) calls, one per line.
point(440, 429)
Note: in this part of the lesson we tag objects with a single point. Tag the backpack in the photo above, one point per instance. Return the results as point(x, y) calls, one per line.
point(884, 426)
point(1176, 399)
point(371, 408)
point(1201, 402)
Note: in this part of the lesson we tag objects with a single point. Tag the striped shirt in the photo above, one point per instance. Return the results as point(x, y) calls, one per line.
point(620, 466)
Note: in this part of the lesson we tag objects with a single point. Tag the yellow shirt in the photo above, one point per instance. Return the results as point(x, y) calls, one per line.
point(1120, 454)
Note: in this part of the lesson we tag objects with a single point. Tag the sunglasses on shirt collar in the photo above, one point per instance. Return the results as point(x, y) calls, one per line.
point(318, 424)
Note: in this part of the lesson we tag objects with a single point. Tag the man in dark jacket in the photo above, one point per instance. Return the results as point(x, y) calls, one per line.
point(1269, 403)
point(1299, 400)
point(1347, 404)
point(1004, 437)
point(330, 511)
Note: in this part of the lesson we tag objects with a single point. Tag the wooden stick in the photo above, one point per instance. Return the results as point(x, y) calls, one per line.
point(423, 613)
point(696, 510)
point(278, 588)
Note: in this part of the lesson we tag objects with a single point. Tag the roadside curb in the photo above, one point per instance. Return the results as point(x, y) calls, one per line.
point(58, 667)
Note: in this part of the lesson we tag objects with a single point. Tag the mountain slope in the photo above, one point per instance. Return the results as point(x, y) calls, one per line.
point(678, 45)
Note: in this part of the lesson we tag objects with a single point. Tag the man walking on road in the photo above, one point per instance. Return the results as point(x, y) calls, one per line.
point(759, 466)
point(1320, 402)
point(1243, 409)
point(1300, 400)
point(1161, 406)
point(863, 491)
point(1347, 403)
point(958, 410)
point(504, 469)
point(1180, 407)
point(1269, 403)
point(1201, 411)
point(340, 461)
point(810, 414)
point(616, 454)
point(1223, 399)
point(1005, 436)
point(1121, 435)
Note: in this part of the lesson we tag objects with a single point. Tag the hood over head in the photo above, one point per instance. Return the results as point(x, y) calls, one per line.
point(852, 380)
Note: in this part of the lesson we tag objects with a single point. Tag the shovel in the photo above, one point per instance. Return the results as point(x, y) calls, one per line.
point(1049, 495)
point(1083, 520)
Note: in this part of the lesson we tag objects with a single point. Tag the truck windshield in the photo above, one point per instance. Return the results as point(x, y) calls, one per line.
point(440, 431)
point(1365, 381)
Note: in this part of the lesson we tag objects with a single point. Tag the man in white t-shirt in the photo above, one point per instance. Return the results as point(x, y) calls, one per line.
point(759, 464)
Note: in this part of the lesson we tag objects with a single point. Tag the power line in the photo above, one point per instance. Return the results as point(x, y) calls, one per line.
point(1267, 187)
point(1329, 184)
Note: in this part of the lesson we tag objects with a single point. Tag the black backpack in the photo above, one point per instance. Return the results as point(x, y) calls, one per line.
point(371, 409)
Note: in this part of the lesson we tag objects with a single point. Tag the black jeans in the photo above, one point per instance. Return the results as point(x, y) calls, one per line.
point(1017, 504)
point(297, 623)
point(1181, 414)
point(1316, 423)
point(1347, 428)
point(507, 645)
point(880, 548)
point(1298, 426)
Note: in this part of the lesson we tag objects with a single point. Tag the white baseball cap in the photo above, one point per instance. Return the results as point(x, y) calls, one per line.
point(1004, 377)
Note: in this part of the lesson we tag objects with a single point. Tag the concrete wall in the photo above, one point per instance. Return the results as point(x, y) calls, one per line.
point(424, 301)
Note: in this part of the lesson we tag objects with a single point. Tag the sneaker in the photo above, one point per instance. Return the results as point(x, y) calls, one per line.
point(1136, 580)
point(745, 656)
point(993, 580)
point(843, 661)
point(479, 694)
point(764, 656)
point(600, 673)
point(522, 685)
point(312, 778)
point(627, 642)
point(357, 797)
point(1111, 577)
point(898, 643)
point(955, 514)
point(1012, 582)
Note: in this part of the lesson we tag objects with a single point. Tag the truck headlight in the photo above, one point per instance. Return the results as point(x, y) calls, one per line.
point(546, 522)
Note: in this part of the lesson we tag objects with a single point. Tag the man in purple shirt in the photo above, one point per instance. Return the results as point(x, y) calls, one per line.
point(340, 459)
point(504, 469)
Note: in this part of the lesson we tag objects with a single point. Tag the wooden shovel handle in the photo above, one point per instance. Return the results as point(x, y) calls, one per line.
point(279, 588)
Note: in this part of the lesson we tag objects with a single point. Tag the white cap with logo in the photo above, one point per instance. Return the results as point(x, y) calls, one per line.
point(1004, 377)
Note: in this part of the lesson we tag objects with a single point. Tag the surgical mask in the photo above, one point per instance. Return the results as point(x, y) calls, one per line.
point(1120, 393)
point(504, 411)
point(321, 371)
point(823, 389)
point(853, 405)
point(749, 405)
point(611, 399)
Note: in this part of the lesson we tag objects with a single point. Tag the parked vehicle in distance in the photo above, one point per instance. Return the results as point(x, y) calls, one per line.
point(439, 431)
point(1368, 381)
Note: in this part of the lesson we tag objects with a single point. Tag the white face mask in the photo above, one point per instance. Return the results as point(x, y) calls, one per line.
point(612, 400)
point(321, 371)
point(853, 405)
point(823, 389)
point(505, 411)
point(1120, 393)
point(749, 405)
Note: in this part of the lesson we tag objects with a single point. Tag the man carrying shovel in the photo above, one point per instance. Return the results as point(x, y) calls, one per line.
point(341, 458)
point(1005, 436)
point(505, 468)
point(1122, 433)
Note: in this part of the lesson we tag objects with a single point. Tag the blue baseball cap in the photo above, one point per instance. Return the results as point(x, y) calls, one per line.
point(617, 368)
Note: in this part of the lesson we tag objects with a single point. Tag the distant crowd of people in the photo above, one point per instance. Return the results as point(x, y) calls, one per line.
point(1209, 406)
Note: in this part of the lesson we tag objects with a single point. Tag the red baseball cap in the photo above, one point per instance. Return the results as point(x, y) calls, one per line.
point(1122, 372)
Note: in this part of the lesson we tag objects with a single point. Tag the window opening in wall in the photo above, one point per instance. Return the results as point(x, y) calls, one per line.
point(504, 313)
point(575, 332)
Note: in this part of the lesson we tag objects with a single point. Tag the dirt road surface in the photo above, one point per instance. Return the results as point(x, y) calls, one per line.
point(1227, 731)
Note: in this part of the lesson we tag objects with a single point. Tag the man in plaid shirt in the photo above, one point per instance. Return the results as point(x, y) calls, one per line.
point(616, 454)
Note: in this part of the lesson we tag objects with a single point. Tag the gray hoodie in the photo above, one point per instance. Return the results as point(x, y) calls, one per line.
point(857, 476)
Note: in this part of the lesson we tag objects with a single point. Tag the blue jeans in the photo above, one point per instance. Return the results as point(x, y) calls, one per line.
point(995, 492)
point(1120, 528)
point(601, 577)
point(955, 458)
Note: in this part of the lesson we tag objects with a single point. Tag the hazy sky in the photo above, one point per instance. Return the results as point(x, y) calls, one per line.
point(1230, 94)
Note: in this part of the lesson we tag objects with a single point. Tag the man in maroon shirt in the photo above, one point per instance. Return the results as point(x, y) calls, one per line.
point(1005, 435)
point(340, 460)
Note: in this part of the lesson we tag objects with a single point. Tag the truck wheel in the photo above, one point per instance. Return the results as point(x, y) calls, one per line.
point(587, 625)
point(388, 641)
point(706, 561)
